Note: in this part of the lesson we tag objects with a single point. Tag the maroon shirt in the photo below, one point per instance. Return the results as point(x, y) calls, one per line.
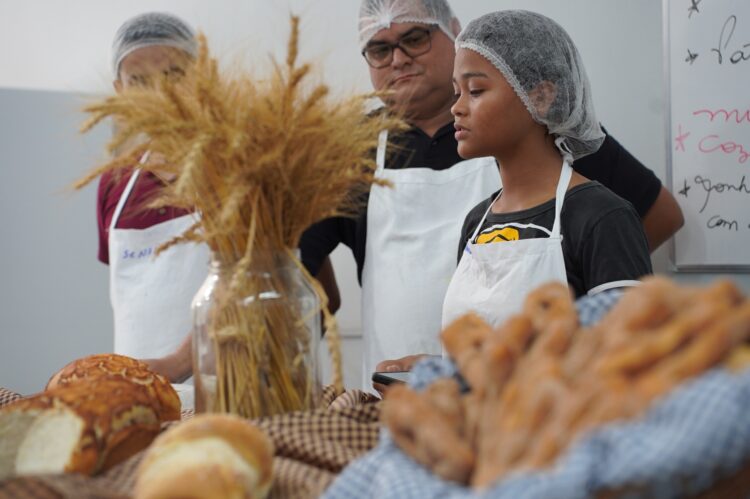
point(134, 214)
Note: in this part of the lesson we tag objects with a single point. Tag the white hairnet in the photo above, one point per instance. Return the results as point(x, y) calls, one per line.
point(529, 48)
point(375, 15)
point(152, 28)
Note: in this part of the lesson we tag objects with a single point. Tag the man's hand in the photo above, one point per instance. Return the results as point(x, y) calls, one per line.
point(395, 365)
point(327, 278)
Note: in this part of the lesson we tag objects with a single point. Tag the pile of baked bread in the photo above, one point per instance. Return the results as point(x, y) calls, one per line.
point(540, 381)
point(94, 413)
point(101, 410)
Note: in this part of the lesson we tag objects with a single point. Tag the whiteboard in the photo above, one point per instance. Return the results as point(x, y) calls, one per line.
point(707, 65)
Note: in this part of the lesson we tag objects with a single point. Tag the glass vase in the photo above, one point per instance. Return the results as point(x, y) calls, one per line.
point(255, 339)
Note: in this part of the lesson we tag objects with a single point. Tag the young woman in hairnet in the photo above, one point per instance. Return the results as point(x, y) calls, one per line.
point(523, 97)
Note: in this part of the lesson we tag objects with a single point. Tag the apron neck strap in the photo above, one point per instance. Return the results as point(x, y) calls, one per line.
point(380, 156)
point(481, 222)
point(562, 187)
point(126, 193)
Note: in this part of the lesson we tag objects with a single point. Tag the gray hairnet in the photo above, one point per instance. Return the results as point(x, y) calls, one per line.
point(529, 48)
point(375, 15)
point(152, 28)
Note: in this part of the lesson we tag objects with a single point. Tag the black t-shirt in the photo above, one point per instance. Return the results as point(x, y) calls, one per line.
point(611, 165)
point(603, 239)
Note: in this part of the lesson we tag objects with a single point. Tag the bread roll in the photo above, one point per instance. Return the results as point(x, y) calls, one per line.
point(206, 457)
point(84, 428)
point(113, 366)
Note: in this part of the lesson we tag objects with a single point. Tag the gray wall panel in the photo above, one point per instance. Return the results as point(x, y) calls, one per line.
point(54, 302)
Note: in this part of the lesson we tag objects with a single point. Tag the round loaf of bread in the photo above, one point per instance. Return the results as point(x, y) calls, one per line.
point(81, 428)
point(110, 366)
point(211, 455)
point(94, 366)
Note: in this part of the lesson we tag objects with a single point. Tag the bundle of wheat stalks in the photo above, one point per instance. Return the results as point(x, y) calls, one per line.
point(260, 159)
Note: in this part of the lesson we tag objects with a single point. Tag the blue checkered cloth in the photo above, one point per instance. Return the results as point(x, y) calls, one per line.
point(697, 434)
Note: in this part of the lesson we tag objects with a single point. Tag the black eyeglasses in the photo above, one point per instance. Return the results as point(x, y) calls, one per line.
point(413, 43)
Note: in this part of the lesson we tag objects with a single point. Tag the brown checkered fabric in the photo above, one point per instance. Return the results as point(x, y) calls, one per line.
point(23, 487)
point(311, 449)
point(7, 396)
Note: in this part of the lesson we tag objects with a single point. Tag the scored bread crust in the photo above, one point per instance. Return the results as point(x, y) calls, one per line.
point(111, 366)
point(119, 419)
point(206, 480)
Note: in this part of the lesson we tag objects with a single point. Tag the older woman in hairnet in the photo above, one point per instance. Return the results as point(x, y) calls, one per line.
point(150, 296)
point(523, 97)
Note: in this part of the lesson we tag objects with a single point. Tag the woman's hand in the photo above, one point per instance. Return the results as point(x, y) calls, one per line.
point(177, 366)
point(402, 364)
point(395, 365)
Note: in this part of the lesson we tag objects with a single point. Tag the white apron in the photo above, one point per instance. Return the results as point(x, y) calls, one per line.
point(413, 230)
point(493, 279)
point(151, 295)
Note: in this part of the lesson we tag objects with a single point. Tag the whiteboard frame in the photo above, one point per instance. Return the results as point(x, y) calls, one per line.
point(667, 63)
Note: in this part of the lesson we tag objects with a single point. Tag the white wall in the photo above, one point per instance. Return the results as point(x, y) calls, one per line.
point(64, 46)
point(53, 45)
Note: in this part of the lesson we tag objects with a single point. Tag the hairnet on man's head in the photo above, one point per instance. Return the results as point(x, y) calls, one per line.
point(152, 28)
point(375, 15)
point(528, 49)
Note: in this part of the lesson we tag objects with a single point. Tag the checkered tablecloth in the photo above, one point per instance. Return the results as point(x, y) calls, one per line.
point(688, 441)
point(311, 449)
point(7, 396)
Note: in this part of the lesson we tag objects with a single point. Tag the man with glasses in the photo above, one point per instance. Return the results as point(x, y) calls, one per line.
point(405, 240)
point(417, 41)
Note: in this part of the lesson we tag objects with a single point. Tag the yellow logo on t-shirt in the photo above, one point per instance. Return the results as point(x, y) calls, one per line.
point(492, 235)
